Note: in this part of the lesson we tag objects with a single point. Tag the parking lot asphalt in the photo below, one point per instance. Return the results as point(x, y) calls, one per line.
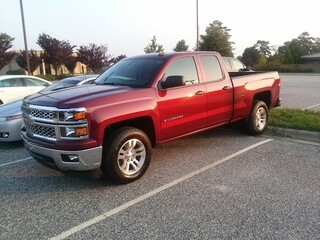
point(219, 184)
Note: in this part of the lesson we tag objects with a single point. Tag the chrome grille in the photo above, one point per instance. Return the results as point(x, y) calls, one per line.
point(51, 123)
point(43, 114)
point(43, 131)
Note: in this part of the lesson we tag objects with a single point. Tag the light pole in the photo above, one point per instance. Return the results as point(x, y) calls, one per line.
point(25, 38)
point(197, 14)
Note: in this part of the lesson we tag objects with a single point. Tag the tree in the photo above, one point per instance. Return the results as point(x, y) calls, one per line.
point(217, 38)
point(34, 60)
point(304, 44)
point(251, 56)
point(56, 52)
point(263, 48)
point(71, 64)
point(116, 59)
point(181, 46)
point(5, 44)
point(153, 47)
point(95, 57)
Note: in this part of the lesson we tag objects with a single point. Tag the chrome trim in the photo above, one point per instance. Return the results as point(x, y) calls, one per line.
point(54, 111)
point(88, 158)
point(36, 125)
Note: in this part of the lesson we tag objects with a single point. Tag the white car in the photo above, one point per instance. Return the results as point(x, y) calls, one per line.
point(11, 120)
point(14, 87)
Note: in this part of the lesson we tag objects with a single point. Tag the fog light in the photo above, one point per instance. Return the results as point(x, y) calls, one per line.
point(4, 135)
point(70, 158)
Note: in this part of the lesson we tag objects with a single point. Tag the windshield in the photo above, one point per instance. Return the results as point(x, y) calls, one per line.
point(61, 84)
point(134, 73)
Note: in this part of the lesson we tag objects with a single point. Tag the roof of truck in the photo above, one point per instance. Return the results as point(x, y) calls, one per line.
point(169, 54)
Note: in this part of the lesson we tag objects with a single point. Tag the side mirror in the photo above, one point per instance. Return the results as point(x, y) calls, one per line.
point(173, 81)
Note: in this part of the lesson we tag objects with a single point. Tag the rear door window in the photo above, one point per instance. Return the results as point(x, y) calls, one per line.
point(212, 68)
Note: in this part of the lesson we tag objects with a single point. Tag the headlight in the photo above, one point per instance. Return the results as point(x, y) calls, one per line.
point(73, 124)
point(74, 132)
point(72, 116)
point(10, 118)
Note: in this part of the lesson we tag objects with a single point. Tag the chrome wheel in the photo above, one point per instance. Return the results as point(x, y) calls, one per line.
point(126, 154)
point(131, 156)
point(261, 118)
point(258, 118)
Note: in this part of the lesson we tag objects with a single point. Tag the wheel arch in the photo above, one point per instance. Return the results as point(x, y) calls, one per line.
point(264, 96)
point(145, 124)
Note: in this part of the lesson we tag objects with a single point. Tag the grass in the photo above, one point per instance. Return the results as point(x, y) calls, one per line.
point(295, 119)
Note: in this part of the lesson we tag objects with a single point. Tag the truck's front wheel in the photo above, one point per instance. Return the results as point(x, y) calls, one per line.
point(126, 155)
point(258, 119)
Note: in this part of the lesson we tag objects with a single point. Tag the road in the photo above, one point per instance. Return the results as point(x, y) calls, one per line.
point(300, 91)
point(219, 184)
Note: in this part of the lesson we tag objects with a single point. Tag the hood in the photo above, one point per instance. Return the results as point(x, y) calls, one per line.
point(10, 109)
point(79, 96)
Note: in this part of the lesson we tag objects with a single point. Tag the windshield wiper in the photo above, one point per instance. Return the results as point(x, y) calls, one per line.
point(114, 84)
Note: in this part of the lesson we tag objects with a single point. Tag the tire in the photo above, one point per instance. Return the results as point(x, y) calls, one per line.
point(126, 155)
point(258, 118)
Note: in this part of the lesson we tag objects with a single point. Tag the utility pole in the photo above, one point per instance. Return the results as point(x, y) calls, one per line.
point(25, 38)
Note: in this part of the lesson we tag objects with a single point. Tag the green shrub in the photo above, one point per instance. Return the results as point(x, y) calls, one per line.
point(47, 77)
point(284, 68)
point(16, 72)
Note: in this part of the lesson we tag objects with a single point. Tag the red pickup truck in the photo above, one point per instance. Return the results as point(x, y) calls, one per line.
point(141, 101)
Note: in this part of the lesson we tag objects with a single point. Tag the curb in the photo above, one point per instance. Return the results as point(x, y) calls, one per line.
point(293, 133)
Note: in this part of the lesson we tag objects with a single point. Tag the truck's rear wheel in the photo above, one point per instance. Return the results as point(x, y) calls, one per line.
point(126, 155)
point(258, 119)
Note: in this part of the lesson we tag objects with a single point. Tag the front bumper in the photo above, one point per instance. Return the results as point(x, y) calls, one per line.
point(87, 159)
point(10, 130)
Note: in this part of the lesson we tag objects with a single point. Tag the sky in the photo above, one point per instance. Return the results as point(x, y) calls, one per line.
point(127, 26)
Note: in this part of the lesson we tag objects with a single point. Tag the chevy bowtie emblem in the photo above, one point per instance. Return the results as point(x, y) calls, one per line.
point(30, 120)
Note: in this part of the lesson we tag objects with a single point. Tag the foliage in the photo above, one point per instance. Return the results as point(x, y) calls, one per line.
point(257, 54)
point(5, 44)
point(16, 72)
point(71, 64)
point(250, 56)
point(181, 46)
point(153, 47)
point(292, 51)
point(56, 52)
point(217, 38)
point(115, 60)
point(283, 68)
point(263, 48)
point(47, 77)
point(34, 60)
point(284, 58)
point(94, 56)
point(295, 119)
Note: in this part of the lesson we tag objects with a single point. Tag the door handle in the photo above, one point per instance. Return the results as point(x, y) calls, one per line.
point(226, 88)
point(199, 93)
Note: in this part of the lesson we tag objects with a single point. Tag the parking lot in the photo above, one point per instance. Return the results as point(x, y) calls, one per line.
point(219, 184)
point(300, 91)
